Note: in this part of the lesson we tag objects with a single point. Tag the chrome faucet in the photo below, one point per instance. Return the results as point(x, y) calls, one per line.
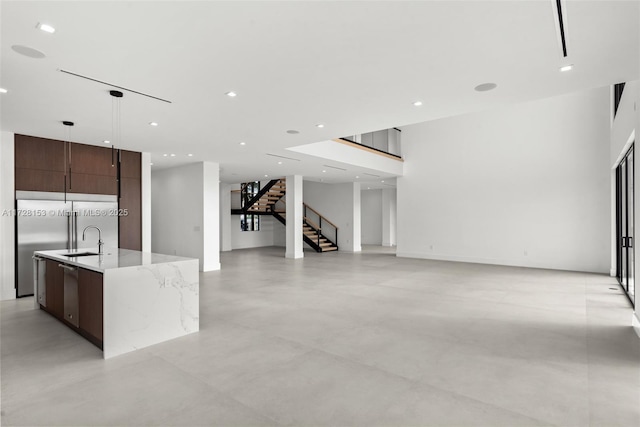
point(100, 242)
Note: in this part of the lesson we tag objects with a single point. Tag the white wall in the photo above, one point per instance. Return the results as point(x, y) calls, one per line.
point(371, 211)
point(525, 185)
point(252, 239)
point(340, 204)
point(7, 221)
point(181, 198)
point(279, 234)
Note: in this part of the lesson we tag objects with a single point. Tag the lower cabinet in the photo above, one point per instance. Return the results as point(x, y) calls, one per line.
point(90, 302)
point(78, 305)
point(54, 282)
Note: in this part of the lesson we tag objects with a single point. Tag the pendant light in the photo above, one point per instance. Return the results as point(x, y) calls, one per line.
point(67, 157)
point(116, 131)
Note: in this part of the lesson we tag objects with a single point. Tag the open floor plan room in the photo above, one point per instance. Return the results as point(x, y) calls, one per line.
point(347, 339)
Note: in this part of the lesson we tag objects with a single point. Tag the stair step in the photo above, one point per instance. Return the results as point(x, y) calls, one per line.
point(332, 248)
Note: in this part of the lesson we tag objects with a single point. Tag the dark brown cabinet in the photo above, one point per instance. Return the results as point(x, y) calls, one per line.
point(39, 163)
point(54, 278)
point(130, 200)
point(87, 298)
point(93, 170)
point(90, 302)
point(48, 165)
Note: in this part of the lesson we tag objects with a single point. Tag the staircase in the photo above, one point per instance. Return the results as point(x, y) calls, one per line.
point(266, 199)
point(264, 203)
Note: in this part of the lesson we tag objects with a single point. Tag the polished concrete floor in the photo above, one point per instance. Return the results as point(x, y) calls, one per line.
point(347, 339)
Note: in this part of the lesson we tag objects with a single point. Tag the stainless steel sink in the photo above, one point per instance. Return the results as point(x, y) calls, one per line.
point(78, 254)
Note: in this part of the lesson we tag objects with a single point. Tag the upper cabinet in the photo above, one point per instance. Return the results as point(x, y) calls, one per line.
point(48, 165)
point(40, 164)
point(93, 170)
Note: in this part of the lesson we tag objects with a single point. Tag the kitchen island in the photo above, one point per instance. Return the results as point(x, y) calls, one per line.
point(121, 300)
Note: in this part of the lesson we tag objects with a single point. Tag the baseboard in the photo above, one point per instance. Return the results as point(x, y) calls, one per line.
point(612, 272)
point(492, 261)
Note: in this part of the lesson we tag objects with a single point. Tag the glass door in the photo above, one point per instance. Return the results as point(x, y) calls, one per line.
point(625, 224)
point(630, 231)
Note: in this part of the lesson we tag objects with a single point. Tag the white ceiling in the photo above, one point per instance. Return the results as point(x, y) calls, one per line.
point(353, 66)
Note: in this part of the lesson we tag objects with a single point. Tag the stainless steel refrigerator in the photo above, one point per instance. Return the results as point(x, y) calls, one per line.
point(58, 224)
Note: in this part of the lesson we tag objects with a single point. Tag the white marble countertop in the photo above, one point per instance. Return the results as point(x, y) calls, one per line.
point(112, 258)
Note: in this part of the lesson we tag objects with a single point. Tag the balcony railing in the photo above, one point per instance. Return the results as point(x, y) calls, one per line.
point(386, 141)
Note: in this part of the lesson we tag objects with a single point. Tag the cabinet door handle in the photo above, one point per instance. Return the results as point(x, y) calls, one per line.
point(67, 267)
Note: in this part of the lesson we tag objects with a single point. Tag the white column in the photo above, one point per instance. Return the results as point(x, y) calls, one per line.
point(7, 226)
point(210, 216)
point(225, 217)
point(356, 230)
point(388, 217)
point(294, 217)
point(146, 201)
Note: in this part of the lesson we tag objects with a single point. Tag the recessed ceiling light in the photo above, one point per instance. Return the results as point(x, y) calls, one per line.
point(417, 103)
point(27, 51)
point(368, 188)
point(173, 155)
point(266, 176)
point(382, 180)
point(151, 164)
point(190, 155)
point(279, 163)
point(3, 90)
point(46, 28)
point(323, 171)
point(153, 123)
point(164, 155)
point(567, 68)
point(231, 94)
point(485, 87)
point(243, 143)
point(320, 125)
point(106, 141)
point(357, 177)
point(293, 132)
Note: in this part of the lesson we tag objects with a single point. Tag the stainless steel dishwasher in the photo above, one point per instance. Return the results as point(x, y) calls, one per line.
point(39, 277)
point(71, 309)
